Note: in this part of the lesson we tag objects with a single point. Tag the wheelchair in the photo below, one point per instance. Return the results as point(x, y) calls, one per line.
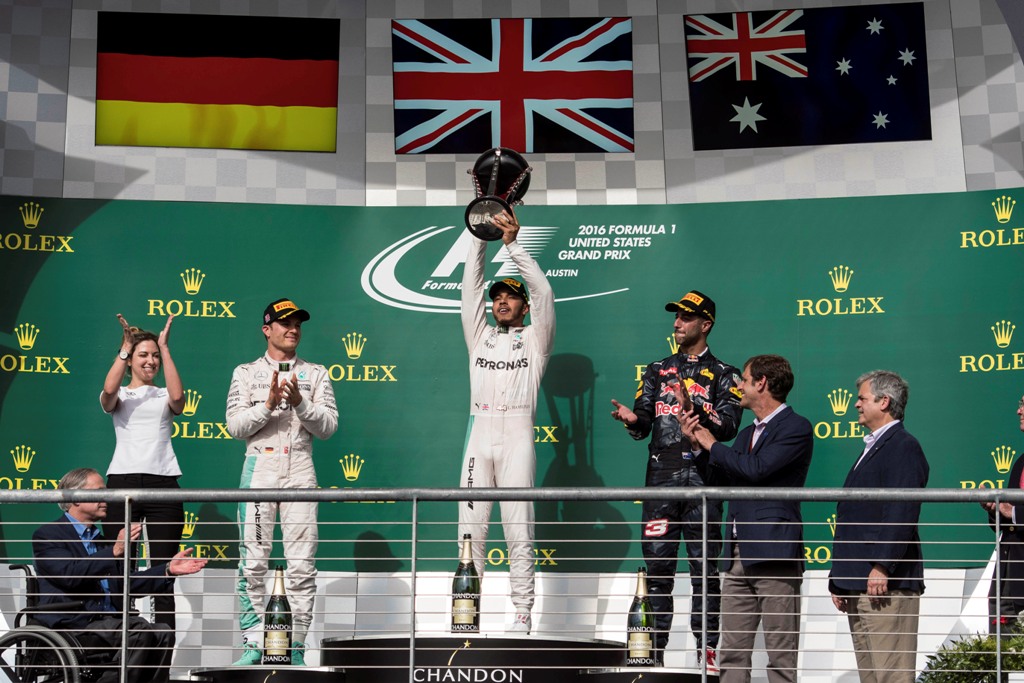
point(33, 653)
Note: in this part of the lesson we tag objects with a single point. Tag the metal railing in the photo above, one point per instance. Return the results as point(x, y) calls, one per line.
point(419, 578)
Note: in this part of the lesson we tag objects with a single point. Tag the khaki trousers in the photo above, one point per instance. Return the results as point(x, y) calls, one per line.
point(768, 594)
point(885, 636)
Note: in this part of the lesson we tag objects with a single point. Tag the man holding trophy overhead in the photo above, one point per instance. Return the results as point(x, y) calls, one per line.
point(506, 364)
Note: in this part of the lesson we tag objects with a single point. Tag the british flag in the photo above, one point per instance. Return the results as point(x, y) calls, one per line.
point(744, 44)
point(533, 85)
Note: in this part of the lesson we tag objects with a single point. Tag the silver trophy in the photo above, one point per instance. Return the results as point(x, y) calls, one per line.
point(506, 175)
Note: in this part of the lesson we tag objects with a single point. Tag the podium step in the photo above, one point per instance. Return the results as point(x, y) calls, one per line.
point(643, 674)
point(269, 674)
point(473, 658)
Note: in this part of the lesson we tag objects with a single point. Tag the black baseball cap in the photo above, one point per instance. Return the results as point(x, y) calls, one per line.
point(512, 285)
point(693, 303)
point(282, 308)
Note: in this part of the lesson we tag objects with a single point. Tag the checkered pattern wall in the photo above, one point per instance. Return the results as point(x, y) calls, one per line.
point(47, 93)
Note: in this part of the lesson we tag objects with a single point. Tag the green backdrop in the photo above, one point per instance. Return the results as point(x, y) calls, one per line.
point(925, 285)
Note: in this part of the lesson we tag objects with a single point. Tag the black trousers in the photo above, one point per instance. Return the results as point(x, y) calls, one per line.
point(164, 523)
point(150, 647)
point(666, 522)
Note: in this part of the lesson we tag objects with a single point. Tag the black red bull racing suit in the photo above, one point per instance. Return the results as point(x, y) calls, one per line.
point(713, 387)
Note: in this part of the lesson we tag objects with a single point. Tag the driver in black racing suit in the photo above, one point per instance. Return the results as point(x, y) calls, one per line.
point(713, 389)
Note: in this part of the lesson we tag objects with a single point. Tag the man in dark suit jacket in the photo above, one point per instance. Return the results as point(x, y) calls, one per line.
point(74, 563)
point(763, 562)
point(1009, 582)
point(877, 573)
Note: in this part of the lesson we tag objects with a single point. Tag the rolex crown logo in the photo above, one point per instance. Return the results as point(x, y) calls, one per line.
point(22, 457)
point(26, 334)
point(31, 212)
point(192, 278)
point(351, 466)
point(841, 276)
point(1003, 206)
point(192, 399)
point(1003, 457)
point(1003, 332)
point(839, 399)
point(672, 344)
point(831, 519)
point(354, 344)
point(190, 524)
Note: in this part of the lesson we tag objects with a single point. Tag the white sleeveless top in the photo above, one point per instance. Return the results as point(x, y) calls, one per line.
point(142, 424)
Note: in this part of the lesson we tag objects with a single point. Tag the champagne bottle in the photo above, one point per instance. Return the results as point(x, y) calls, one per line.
point(277, 625)
point(640, 626)
point(466, 592)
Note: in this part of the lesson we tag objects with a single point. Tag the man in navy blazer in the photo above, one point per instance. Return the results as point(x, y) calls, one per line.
point(763, 562)
point(74, 563)
point(877, 573)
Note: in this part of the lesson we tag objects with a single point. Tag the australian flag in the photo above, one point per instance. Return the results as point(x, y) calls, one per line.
point(832, 75)
point(533, 85)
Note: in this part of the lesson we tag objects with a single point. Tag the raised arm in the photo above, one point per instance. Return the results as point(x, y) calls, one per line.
point(474, 314)
point(175, 389)
point(115, 375)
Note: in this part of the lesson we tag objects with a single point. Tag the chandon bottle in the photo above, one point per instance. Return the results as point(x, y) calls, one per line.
point(277, 625)
point(640, 626)
point(466, 592)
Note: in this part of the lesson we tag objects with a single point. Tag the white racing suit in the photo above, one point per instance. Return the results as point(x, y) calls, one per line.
point(505, 369)
point(278, 455)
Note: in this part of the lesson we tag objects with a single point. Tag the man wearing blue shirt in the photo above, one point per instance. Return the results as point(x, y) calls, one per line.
point(74, 563)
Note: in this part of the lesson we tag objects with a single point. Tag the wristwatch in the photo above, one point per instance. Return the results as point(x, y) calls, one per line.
point(123, 355)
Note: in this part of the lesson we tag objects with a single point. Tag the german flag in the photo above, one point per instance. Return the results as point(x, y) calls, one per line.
point(236, 82)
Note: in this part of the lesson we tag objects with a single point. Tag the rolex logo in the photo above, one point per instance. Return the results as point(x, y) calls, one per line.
point(839, 399)
point(1003, 206)
point(354, 344)
point(672, 344)
point(831, 519)
point(1003, 458)
point(26, 334)
point(190, 524)
point(192, 399)
point(1002, 331)
point(31, 212)
point(351, 466)
point(22, 457)
point(192, 278)
point(840, 276)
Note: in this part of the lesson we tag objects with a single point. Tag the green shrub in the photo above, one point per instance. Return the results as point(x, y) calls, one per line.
point(972, 659)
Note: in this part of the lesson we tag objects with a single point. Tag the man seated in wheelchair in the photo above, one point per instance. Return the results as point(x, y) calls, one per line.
point(74, 563)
